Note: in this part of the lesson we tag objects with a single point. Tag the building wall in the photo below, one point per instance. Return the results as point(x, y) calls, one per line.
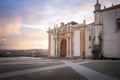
point(90, 31)
point(97, 18)
point(105, 23)
point(111, 38)
point(82, 41)
point(76, 43)
point(52, 46)
point(98, 31)
point(49, 39)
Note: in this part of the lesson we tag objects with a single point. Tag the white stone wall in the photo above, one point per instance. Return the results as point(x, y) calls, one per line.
point(88, 44)
point(111, 39)
point(52, 47)
point(98, 29)
point(76, 43)
point(97, 18)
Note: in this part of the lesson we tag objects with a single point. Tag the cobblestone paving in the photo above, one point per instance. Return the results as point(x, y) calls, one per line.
point(16, 67)
point(23, 68)
point(65, 73)
point(108, 68)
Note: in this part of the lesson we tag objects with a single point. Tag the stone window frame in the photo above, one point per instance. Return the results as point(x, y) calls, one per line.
point(118, 25)
point(89, 47)
point(90, 38)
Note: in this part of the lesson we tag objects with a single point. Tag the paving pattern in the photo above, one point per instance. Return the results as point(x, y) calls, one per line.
point(58, 69)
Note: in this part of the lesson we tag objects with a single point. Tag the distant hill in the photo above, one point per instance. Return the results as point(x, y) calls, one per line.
point(28, 53)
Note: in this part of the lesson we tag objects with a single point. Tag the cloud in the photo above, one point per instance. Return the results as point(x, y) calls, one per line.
point(68, 11)
point(108, 3)
point(13, 15)
point(22, 21)
point(28, 39)
point(49, 12)
point(10, 26)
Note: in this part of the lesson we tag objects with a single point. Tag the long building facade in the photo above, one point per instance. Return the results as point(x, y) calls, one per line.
point(97, 39)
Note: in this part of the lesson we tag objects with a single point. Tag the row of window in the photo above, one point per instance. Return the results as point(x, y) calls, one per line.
point(117, 29)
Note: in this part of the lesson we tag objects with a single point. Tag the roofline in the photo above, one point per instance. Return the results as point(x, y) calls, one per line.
point(90, 24)
point(109, 8)
point(112, 7)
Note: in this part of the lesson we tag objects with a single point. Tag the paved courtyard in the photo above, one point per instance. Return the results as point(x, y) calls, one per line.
point(30, 68)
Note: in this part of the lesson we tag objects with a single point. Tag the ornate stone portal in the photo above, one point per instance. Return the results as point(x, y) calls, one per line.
point(62, 40)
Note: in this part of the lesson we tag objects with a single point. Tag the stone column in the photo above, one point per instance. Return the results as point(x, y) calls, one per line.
point(67, 46)
point(56, 48)
point(49, 45)
point(70, 48)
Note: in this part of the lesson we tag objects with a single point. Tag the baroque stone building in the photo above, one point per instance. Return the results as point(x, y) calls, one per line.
point(65, 40)
point(97, 39)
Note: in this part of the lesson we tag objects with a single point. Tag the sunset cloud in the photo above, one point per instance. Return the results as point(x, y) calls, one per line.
point(9, 26)
point(28, 39)
point(23, 23)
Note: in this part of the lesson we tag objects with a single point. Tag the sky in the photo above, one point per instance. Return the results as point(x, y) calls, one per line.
point(23, 23)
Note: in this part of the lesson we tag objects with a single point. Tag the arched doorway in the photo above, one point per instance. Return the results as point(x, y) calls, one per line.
point(63, 48)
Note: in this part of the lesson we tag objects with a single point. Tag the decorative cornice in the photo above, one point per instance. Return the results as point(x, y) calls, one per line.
point(109, 8)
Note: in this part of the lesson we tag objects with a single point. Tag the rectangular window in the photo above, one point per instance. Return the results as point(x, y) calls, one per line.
point(89, 47)
point(118, 25)
point(89, 38)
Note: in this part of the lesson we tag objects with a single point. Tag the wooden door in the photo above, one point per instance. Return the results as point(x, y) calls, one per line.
point(63, 48)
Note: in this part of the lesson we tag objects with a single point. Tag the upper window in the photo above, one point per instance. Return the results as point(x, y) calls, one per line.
point(89, 38)
point(118, 25)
